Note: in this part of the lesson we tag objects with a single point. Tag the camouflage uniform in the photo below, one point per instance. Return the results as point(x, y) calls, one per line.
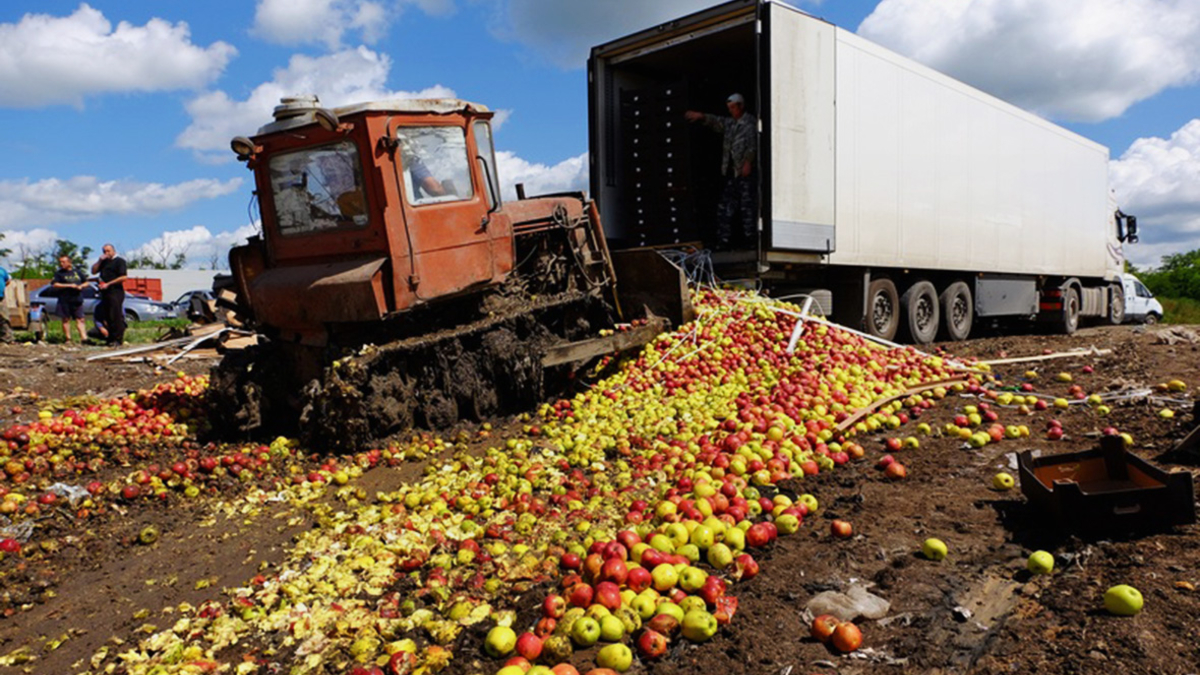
point(739, 197)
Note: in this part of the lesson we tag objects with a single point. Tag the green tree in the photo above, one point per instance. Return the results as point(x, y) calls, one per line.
point(145, 262)
point(4, 252)
point(1177, 277)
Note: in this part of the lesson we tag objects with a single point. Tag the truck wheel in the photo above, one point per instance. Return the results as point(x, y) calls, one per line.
point(1070, 311)
point(958, 311)
point(921, 314)
point(1116, 305)
point(883, 309)
point(1150, 319)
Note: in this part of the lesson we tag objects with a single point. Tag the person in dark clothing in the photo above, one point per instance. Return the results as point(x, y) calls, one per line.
point(69, 283)
point(112, 271)
point(6, 334)
point(739, 198)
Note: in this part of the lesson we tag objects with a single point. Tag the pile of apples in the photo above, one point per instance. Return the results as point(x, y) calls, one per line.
point(643, 499)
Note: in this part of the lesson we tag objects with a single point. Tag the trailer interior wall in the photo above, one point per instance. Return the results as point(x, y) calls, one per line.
point(934, 174)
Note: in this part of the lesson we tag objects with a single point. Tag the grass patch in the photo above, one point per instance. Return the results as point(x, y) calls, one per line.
point(136, 332)
point(1180, 310)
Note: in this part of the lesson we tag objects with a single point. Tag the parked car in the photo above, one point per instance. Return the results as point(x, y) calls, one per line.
point(1140, 304)
point(137, 308)
point(185, 301)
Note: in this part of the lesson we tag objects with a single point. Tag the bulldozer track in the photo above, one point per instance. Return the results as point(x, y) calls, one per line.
point(489, 366)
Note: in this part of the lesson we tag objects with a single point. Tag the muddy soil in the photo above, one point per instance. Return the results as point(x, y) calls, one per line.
point(978, 611)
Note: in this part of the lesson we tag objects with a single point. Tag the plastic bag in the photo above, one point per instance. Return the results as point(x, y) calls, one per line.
point(848, 606)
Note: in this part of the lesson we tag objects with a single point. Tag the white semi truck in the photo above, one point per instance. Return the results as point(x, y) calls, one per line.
point(918, 204)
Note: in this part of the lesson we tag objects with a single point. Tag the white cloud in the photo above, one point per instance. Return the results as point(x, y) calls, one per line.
point(200, 246)
point(1083, 60)
point(295, 22)
point(26, 242)
point(47, 60)
point(25, 204)
point(563, 31)
point(328, 22)
point(341, 78)
point(569, 174)
point(1158, 180)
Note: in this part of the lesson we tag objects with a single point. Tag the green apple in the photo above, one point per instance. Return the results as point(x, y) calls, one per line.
point(808, 500)
point(1040, 562)
point(692, 578)
point(934, 549)
point(557, 648)
point(612, 629)
point(644, 605)
point(1123, 600)
point(734, 538)
point(692, 602)
point(678, 533)
point(716, 525)
point(1002, 481)
point(597, 611)
point(629, 617)
point(617, 657)
point(719, 556)
point(699, 625)
point(671, 609)
point(703, 537)
point(500, 641)
point(664, 577)
point(787, 523)
point(689, 551)
point(585, 632)
point(663, 543)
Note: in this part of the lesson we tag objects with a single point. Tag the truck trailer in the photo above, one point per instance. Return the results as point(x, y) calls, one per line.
point(911, 202)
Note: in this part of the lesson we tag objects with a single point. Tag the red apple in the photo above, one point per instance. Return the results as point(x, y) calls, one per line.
point(823, 626)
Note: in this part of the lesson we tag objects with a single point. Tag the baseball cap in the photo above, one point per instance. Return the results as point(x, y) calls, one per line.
point(736, 98)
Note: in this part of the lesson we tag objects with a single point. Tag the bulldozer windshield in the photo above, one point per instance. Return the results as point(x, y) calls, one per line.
point(318, 189)
point(436, 167)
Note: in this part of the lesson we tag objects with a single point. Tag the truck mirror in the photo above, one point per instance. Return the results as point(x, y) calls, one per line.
point(1131, 229)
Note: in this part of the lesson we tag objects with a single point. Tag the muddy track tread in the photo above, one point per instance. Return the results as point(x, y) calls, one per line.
point(434, 381)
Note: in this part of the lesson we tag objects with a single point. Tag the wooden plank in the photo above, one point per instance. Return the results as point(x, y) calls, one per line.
point(583, 350)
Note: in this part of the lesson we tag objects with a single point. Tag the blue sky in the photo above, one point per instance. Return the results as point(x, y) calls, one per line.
point(115, 116)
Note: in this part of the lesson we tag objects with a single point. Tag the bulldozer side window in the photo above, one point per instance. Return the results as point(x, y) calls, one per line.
point(435, 162)
point(318, 189)
point(487, 155)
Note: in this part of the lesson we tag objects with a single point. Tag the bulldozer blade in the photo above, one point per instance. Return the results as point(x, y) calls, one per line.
point(650, 285)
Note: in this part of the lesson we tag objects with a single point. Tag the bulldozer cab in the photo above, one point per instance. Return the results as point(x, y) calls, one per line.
point(370, 210)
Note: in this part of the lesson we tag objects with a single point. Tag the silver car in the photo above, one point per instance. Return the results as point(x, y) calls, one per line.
point(137, 308)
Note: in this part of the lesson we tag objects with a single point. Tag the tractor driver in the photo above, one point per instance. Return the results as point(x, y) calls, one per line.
point(423, 181)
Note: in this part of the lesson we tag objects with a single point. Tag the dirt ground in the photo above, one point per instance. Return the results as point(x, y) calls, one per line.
point(978, 611)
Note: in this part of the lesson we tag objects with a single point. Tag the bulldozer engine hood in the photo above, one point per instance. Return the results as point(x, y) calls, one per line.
point(305, 298)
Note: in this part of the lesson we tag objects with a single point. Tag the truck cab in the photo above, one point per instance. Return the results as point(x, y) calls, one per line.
point(1140, 304)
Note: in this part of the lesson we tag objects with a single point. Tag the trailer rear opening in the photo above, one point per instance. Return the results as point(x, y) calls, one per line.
point(660, 173)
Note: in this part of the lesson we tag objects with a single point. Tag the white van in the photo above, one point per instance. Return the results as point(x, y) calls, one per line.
point(1140, 305)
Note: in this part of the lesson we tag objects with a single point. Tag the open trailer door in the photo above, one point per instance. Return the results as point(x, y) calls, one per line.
point(798, 87)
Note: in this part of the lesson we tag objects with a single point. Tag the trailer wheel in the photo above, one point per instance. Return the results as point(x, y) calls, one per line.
point(883, 309)
point(920, 305)
point(958, 311)
point(1070, 311)
point(1116, 305)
